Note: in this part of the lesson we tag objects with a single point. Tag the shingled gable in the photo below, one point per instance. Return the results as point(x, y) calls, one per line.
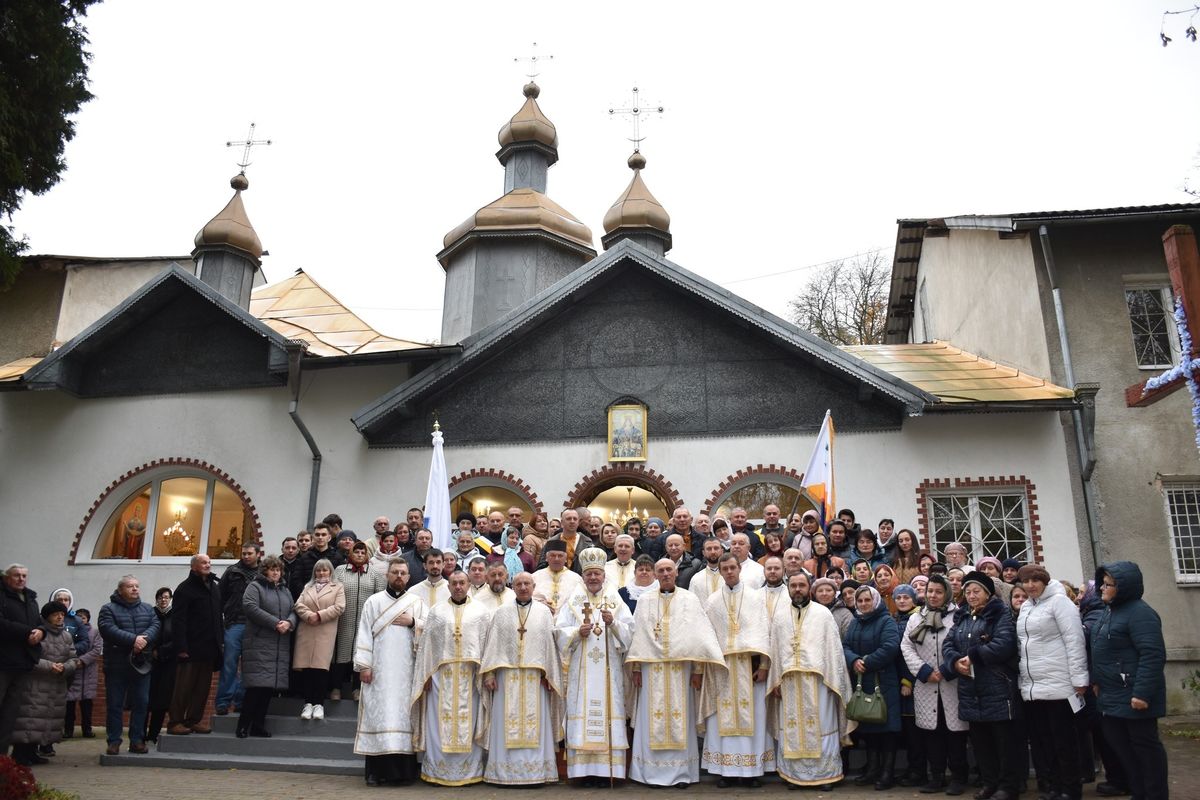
point(175, 334)
point(632, 263)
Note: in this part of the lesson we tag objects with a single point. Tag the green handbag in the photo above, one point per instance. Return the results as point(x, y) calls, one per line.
point(867, 708)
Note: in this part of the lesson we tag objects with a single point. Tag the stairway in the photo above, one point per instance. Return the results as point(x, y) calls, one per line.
point(324, 747)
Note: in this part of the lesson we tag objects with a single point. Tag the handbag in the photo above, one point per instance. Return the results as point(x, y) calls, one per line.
point(867, 708)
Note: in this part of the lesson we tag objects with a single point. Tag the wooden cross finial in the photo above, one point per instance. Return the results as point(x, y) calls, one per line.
point(248, 143)
point(636, 111)
point(533, 60)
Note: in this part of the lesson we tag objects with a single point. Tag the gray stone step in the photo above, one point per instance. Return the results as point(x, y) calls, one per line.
point(294, 726)
point(317, 766)
point(334, 709)
point(223, 744)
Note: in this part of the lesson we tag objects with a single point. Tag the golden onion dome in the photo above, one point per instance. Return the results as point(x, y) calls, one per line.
point(523, 209)
point(529, 124)
point(637, 207)
point(232, 227)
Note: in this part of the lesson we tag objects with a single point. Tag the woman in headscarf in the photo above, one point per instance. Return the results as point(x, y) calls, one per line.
point(511, 553)
point(843, 607)
point(904, 597)
point(822, 560)
point(980, 655)
point(871, 647)
point(919, 582)
point(884, 578)
point(935, 701)
point(860, 570)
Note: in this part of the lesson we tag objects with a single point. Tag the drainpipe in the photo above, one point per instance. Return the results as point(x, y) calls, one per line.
point(1083, 437)
point(294, 412)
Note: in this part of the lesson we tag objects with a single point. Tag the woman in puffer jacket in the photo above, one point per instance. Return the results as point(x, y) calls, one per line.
point(980, 655)
point(1053, 677)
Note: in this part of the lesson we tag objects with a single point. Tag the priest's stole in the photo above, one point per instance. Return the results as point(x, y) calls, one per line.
point(735, 709)
point(522, 708)
point(668, 692)
point(456, 706)
point(800, 713)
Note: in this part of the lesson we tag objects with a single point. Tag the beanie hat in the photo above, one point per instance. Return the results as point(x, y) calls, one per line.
point(984, 581)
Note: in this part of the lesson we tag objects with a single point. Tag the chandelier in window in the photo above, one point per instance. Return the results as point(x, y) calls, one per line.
point(619, 518)
point(178, 540)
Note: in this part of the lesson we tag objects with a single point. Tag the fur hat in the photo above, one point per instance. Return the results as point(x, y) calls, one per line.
point(985, 581)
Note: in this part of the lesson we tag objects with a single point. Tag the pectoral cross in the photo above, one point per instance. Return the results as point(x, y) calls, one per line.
point(657, 631)
point(521, 630)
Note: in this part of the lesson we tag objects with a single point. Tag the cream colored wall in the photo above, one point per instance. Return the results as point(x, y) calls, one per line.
point(70, 450)
point(982, 297)
point(92, 290)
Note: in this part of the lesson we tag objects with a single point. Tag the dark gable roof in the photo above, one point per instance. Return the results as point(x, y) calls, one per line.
point(487, 342)
point(61, 369)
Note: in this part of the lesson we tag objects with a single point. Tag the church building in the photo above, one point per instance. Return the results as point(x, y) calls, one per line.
point(153, 408)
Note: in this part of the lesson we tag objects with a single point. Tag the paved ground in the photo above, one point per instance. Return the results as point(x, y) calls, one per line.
point(76, 769)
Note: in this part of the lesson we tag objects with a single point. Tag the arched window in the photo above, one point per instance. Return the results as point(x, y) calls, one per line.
point(755, 488)
point(169, 511)
point(482, 491)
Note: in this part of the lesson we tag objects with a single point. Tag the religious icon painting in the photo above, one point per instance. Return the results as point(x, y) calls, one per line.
point(627, 433)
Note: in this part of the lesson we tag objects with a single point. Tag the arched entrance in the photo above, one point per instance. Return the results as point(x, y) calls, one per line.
point(754, 488)
point(481, 491)
point(616, 491)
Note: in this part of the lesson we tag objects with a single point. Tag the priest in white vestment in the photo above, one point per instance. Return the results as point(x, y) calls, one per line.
point(620, 570)
point(554, 584)
point(594, 628)
point(445, 688)
point(384, 652)
point(808, 690)
point(733, 701)
point(673, 643)
point(774, 588)
point(522, 700)
point(476, 570)
point(495, 592)
point(435, 588)
point(752, 572)
point(708, 579)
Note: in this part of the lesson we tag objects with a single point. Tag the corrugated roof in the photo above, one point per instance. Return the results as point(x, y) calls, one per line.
point(299, 308)
point(956, 376)
point(13, 370)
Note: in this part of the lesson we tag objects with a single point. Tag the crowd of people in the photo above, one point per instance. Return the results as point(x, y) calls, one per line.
point(652, 651)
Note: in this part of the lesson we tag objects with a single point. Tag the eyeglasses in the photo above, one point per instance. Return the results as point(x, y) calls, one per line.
point(1108, 584)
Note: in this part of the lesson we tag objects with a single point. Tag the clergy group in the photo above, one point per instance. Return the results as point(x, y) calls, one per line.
point(476, 681)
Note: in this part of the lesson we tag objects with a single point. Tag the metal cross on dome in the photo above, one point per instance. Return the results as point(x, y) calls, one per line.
point(533, 58)
point(636, 111)
point(1183, 265)
point(248, 143)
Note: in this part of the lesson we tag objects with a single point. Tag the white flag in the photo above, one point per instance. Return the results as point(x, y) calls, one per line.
point(437, 497)
point(818, 475)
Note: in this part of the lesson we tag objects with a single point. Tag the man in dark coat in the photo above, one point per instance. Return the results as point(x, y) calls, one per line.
point(129, 628)
point(199, 640)
point(573, 537)
point(233, 586)
point(301, 573)
point(1128, 657)
point(20, 645)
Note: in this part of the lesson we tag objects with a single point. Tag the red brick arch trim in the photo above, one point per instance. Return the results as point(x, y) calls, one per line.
point(136, 472)
point(590, 485)
point(496, 477)
point(999, 483)
point(770, 472)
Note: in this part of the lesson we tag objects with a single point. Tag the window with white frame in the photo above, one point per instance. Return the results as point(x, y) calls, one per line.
point(1182, 502)
point(1151, 320)
point(988, 523)
point(170, 513)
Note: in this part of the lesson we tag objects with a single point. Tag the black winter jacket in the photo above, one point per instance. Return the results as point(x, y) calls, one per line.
point(196, 611)
point(233, 585)
point(1128, 651)
point(989, 638)
point(18, 618)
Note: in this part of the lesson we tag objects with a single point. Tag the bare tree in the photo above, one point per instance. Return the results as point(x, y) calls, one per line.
point(846, 302)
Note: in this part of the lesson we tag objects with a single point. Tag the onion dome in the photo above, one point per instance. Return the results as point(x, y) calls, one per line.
point(529, 124)
point(636, 212)
point(522, 209)
point(232, 227)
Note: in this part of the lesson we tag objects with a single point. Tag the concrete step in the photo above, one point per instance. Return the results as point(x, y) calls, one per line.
point(294, 726)
point(334, 709)
point(315, 766)
point(223, 744)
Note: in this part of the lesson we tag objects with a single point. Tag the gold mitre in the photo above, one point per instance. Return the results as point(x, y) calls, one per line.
point(592, 558)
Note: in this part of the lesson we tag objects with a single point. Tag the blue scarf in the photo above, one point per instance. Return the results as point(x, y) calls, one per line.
point(512, 562)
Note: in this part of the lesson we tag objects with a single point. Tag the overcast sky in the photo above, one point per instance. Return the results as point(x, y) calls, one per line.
point(793, 134)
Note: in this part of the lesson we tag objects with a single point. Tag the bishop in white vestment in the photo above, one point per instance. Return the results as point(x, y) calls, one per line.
point(522, 717)
point(734, 700)
point(494, 593)
point(808, 690)
point(672, 644)
point(384, 651)
point(445, 688)
point(596, 738)
point(554, 584)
